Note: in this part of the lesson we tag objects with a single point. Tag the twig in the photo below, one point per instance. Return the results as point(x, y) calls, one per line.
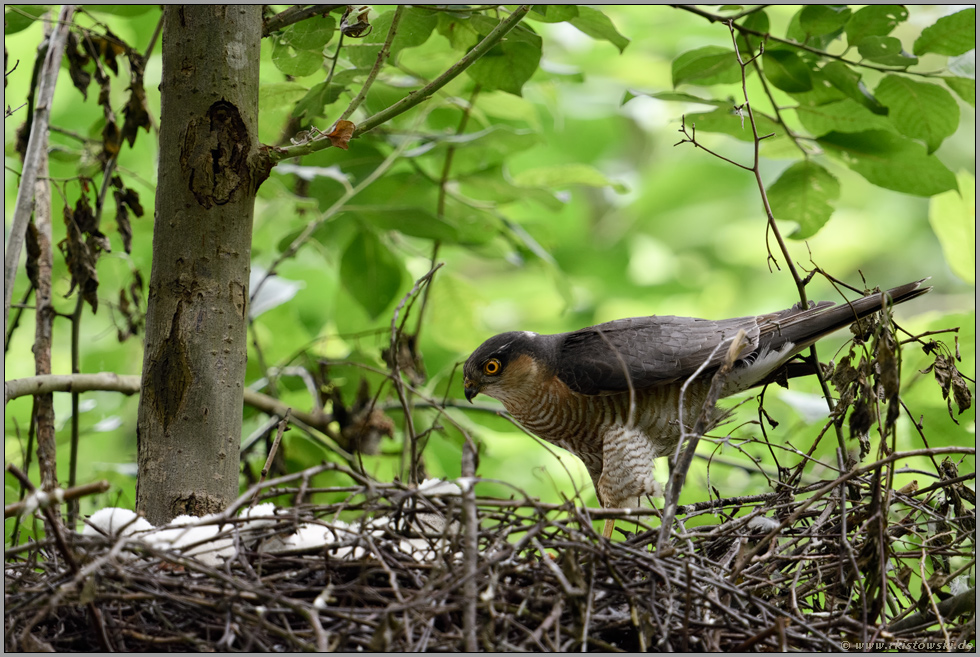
point(682, 461)
point(75, 493)
point(129, 384)
point(396, 377)
point(272, 452)
point(378, 63)
point(47, 448)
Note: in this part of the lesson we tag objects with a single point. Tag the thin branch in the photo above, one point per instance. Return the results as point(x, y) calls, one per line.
point(75, 493)
point(378, 63)
point(396, 377)
point(771, 219)
point(43, 324)
point(129, 384)
point(37, 143)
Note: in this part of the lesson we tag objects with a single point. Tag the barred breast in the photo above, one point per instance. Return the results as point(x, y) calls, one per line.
point(577, 422)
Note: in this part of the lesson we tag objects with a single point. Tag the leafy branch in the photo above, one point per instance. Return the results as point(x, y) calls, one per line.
point(414, 98)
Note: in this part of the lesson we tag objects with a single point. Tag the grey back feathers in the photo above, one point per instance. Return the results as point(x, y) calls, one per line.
point(659, 350)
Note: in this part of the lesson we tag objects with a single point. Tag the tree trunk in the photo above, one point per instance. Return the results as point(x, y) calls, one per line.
point(190, 412)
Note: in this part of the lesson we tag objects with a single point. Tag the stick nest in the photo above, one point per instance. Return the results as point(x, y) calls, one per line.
point(772, 572)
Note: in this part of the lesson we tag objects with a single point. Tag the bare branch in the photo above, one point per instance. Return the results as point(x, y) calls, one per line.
point(36, 145)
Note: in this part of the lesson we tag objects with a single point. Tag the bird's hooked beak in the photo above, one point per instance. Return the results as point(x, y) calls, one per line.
point(471, 389)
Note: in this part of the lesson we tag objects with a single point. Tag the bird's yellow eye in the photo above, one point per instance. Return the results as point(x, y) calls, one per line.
point(491, 367)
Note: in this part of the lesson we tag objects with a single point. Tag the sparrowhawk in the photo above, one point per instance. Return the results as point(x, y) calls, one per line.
point(574, 389)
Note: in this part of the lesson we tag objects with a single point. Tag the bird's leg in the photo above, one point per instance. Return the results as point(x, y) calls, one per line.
point(627, 470)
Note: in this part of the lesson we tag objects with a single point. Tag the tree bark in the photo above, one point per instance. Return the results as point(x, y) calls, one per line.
point(190, 412)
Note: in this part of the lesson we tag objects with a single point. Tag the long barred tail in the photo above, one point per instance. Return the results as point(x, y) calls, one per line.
point(809, 326)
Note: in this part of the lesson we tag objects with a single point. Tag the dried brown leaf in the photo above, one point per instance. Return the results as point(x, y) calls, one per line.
point(341, 134)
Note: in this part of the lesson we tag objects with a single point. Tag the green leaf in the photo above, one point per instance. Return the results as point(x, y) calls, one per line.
point(885, 50)
point(920, 110)
point(553, 13)
point(20, 17)
point(492, 185)
point(414, 29)
point(310, 34)
point(953, 218)
point(458, 30)
point(509, 64)
point(564, 175)
point(370, 272)
point(706, 66)
point(817, 20)
point(409, 220)
point(822, 91)
point(316, 99)
point(848, 82)
point(950, 35)
point(874, 20)
point(795, 32)
point(965, 88)
point(685, 98)
point(277, 94)
point(732, 123)
point(890, 161)
point(598, 26)
point(804, 194)
point(297, 63)
point(786, 71)
point(841, 116)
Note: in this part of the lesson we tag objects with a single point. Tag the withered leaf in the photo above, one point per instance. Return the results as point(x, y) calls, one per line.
point(355, 23)
point(83, 217)
point(887, 362)
point(77, 60)
point(341, 134)
point(111, 135)
point(132, 199)
point(80, 258)
point(860, 419)
point(844, 374)
point(135, 112)
point(122, 222)
point(961, 392)
point(33, 246)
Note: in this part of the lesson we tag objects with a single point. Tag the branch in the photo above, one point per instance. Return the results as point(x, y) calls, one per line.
point(715, 18)
point(295, 14)
point(36, 145)
point(129, 384)
point(416, 97)
point(59, 496)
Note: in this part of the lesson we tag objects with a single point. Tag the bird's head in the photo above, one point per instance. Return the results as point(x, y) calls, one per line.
point(504, 363)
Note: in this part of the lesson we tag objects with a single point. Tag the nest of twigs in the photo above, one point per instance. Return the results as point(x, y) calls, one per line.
point(819, 568)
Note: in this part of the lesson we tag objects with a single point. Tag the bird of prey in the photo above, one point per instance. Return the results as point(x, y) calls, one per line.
point(610, 393)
